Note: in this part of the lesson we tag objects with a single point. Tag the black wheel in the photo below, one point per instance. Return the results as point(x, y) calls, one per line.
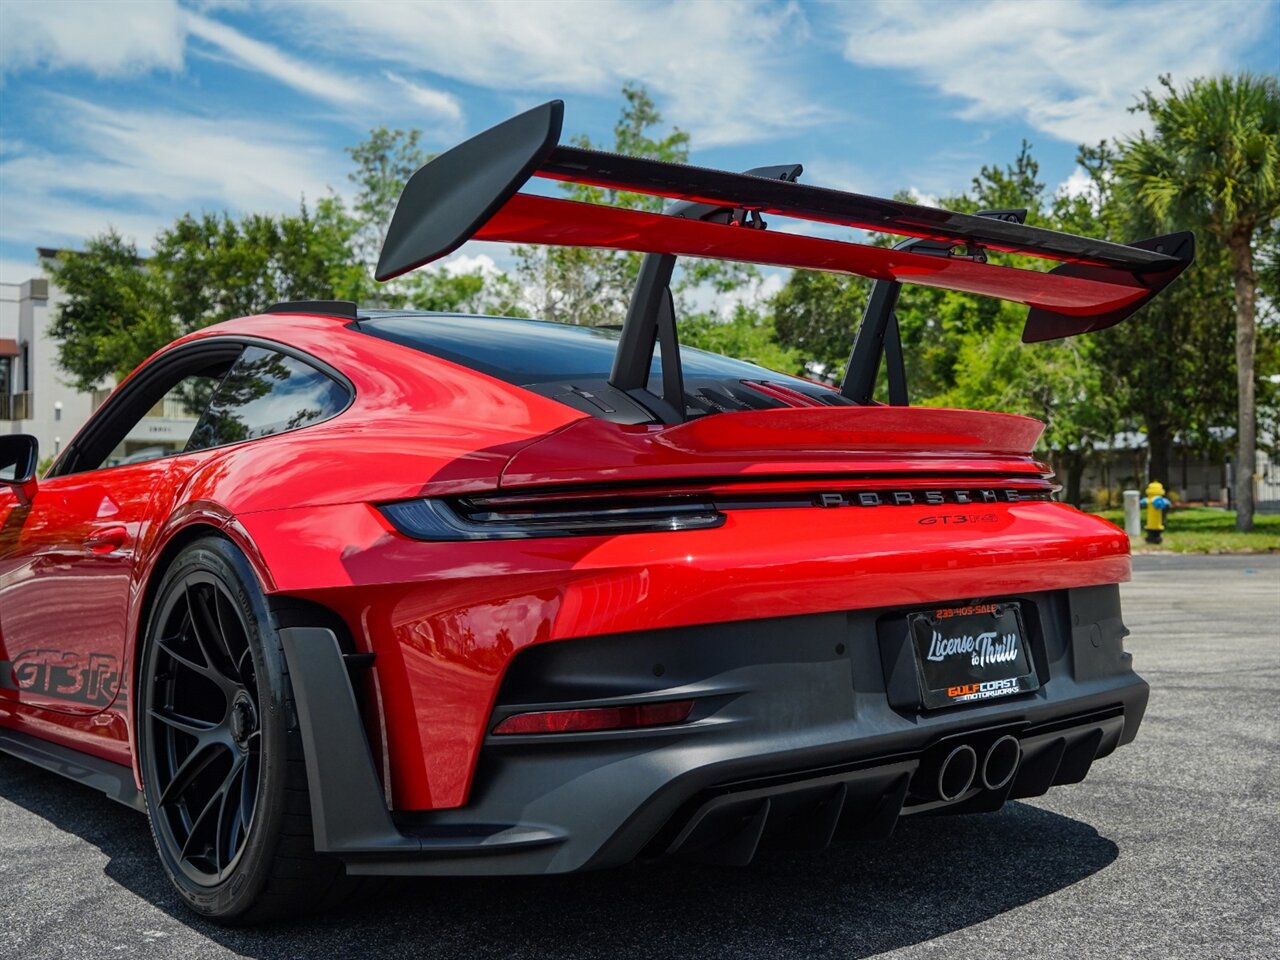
point(222, 764)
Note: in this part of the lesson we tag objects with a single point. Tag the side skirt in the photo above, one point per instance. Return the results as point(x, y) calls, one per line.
point(113, 779)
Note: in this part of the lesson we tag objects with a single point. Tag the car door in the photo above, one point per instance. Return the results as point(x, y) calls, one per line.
point(68, 559)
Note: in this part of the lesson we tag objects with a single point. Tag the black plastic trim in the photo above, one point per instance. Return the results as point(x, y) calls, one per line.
point(113, 779)
point(780, 701)
point(449, 198)
point(349, 812)
point(328, 308)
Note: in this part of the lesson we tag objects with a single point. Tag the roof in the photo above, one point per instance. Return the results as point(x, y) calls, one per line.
point(9, 348)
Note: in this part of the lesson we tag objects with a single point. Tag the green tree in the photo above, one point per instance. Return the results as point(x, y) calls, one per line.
point(215, 267)
point(1169, 370)
point(384, 162)
point(593, 287)
point(816, 316)
point(748, 335)
point(119, 308)
point(116, 312)
point(1056, 383)
point(1212, 159)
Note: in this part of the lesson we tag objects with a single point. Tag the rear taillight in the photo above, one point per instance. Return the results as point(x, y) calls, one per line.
point(432, 519)
point(597, 718)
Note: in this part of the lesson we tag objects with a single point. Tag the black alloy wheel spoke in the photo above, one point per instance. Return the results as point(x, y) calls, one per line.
point(229, 797)
point(216, 804)
point(206, 743)
point(248, 786)
point(245, 661)
point(200, 729)
point(224, 637)
point(209, 637)
point(197, 761)
point(170, 647)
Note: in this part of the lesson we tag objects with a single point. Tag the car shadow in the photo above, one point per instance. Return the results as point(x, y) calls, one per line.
point(936, 875)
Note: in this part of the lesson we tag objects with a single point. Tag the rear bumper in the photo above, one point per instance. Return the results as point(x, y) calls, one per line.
point(794, 736)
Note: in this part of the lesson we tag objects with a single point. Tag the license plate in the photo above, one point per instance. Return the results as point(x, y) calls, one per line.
point(971, 654)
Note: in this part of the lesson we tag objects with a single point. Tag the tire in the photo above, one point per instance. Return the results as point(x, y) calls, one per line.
point(222, 761)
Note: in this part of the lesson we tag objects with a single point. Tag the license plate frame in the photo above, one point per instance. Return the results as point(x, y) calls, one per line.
point(971, 653)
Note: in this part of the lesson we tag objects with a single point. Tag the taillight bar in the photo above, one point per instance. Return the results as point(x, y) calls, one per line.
point(730, 490)
point(436, 520)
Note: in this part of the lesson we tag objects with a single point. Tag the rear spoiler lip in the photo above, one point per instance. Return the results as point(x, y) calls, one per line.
point(849, 441)
point(451, 197)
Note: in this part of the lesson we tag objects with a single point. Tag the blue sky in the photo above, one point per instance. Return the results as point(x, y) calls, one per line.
point(130, 113)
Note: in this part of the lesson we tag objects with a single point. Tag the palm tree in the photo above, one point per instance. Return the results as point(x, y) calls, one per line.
point(1212, 159)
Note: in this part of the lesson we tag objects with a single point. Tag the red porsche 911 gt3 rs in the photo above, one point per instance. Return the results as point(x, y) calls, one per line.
point(437, 594)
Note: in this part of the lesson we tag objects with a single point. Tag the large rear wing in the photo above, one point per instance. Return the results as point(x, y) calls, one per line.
point(472, 192)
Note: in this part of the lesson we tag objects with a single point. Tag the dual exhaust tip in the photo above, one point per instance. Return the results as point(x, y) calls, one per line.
point(960, 768)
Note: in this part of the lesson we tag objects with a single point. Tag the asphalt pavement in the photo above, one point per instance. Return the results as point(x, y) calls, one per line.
point(1170, 849)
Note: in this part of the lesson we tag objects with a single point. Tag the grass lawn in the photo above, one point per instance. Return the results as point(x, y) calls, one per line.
point(1206, 530)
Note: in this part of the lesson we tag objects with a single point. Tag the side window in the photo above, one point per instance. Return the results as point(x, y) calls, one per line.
point(166, 428)
point(265, 393)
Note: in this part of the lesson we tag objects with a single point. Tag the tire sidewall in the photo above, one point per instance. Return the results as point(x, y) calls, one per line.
point(237, 893)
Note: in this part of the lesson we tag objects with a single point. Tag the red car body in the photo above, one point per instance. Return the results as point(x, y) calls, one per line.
point(446, 619)
point(765, 641)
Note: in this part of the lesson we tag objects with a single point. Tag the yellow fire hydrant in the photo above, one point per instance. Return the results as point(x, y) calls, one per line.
point(1156, 503)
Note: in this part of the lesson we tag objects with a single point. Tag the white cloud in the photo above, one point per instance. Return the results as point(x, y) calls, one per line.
point(19, 271)
point(105, 38)
point(721, 70)
point(263, 58)
point(1068, 69)
point(1079, 184)
point(136, 170)
point(924, 199)
point(113, 37)
point(704, 298)
point(758, 290)
point(437, 103)
point(60, 221)
point(462, 263)
point(838, 174)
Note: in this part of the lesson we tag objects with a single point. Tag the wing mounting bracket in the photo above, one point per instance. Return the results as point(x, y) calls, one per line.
point(650, 323)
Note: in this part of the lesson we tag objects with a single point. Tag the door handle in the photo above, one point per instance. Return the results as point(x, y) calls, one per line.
point(107, 540)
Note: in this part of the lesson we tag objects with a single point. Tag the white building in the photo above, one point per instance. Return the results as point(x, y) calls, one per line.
point(35, 396)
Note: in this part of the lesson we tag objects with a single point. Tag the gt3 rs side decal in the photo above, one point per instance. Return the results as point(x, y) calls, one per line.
point(93, 679)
